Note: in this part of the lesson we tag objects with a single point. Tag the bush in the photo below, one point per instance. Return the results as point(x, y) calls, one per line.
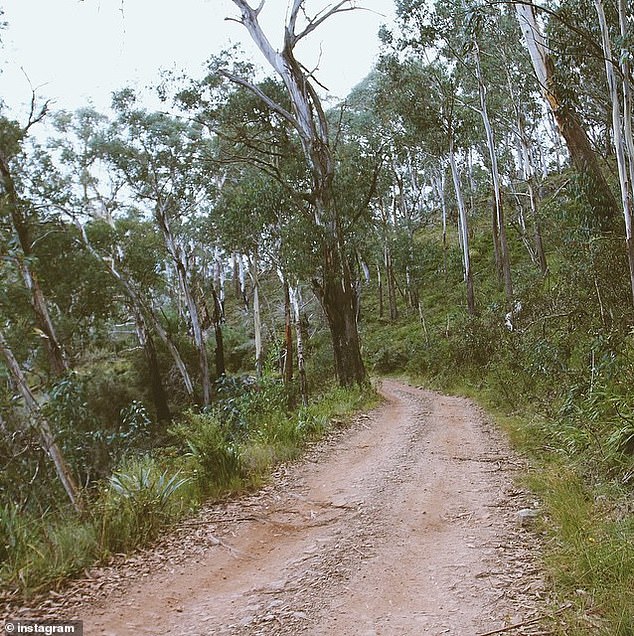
point(215, 454)
point(140, 500)
point(36, 552)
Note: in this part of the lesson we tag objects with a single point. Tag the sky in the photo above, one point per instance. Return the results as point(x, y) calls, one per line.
point(76, 52)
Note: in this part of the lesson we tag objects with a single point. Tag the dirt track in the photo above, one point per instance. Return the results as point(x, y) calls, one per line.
point(406, 524)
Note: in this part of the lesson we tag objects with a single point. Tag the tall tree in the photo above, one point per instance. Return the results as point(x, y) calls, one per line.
point(41, 424)
point(335, 285)
point(621, 127)
point(596, 189)
point(12, 136)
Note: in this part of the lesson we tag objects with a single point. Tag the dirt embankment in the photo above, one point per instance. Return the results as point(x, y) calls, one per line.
point(405, 524)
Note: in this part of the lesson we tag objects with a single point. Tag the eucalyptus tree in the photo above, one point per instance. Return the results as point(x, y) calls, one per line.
point(35, 419)
point(595, 187)
point(160, 159)
point(621, 118)
point(423, 99)
point(23, 217)
point(109, 230)
point(334, 282)
point(461, 36)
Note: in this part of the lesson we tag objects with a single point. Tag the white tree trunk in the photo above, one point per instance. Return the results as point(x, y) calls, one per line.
point(257, 319)
point(295, 297)
point(42, 426)
point(145, 311)
point(628, 98)
point(495, 176)
point(617, 131)
point(464, 230)
point(180, 264)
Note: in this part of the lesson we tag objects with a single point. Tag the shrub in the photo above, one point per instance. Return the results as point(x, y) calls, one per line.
point(216, 455)
point(140, 499)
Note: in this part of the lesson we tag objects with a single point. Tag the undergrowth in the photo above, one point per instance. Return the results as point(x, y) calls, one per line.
point(558, 379)
point(230, 448)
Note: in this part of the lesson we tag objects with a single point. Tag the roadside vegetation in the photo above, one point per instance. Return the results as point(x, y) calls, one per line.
point(202, 457)
point(191, 294)
point(557, 374)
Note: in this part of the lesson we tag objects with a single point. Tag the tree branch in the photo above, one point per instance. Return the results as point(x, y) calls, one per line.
point(250, 21)
point(317, 20)
point(236, 79)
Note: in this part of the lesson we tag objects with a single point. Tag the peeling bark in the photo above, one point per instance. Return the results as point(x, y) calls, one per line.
point(596, 189)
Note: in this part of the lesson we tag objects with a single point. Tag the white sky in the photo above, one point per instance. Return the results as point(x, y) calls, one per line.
point(76, 51)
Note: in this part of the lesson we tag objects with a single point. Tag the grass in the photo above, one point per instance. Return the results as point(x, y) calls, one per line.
point(208, 458)
point(587, 524)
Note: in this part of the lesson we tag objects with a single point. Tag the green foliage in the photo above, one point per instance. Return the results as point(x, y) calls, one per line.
point(591, 554)
point(141, 500)
point(39, 551)
point(216, 457)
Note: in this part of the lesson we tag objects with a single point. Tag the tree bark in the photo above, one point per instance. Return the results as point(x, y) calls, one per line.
point(529, 177)
point(380, 289)
point(287, 370)
point(257, 320)
point(217, 318)
point(596, 189)
point(391, 282)
point(42, 426)
point(159, 396)
point(294, 294)
point(178, 258)
point(618, 134)
point(464, 232)
point(143, 309)
point(505, 260)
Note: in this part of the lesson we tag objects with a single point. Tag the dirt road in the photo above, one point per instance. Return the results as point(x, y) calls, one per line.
point(405, 524)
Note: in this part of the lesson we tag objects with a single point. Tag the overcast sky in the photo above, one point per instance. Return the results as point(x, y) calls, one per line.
point(75, 51)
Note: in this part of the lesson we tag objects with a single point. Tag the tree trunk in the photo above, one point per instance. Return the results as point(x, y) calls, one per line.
point(618, 133)
point(595, 187)
point(380, 289)
point(505, 260)
point(57, 359)
point(257, 320)
point(495, 234)
point(294, 294)
point(143, 309)
point(528, 174)
point(159, 396)
point(628, 98)
point(217, 319)
point(42, 426)
point(178, 259)
point(337, 297)
point(287, 370)
point(464, 232)
point(391, 283)
point(335, 289)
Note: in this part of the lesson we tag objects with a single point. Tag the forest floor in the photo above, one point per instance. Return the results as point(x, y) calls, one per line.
point(406, 522)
